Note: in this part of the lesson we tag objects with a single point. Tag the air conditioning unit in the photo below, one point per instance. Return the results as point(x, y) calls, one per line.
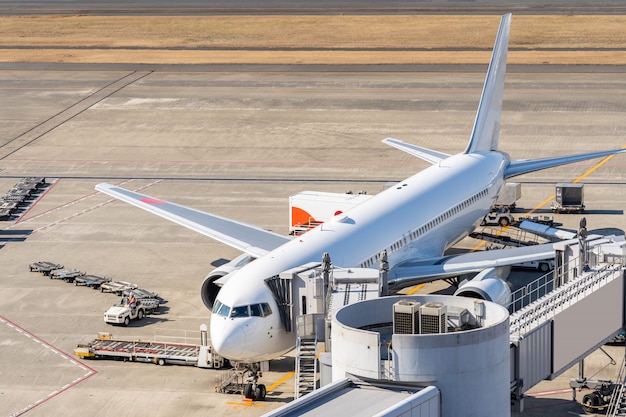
point(406, 317)
point(433, 318)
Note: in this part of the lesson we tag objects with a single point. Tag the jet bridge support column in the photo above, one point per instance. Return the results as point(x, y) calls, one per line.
point(384, 269)
point(326, 270)
point(583, 259)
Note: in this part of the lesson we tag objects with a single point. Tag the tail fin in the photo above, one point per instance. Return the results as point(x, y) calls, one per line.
point(487, 124)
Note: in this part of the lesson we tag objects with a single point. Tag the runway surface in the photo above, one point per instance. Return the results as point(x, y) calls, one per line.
point(237, 144)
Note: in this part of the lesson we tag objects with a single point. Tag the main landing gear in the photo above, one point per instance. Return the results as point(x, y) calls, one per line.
point(251, 388)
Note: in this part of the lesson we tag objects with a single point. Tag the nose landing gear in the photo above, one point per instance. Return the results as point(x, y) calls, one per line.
point(251, 388)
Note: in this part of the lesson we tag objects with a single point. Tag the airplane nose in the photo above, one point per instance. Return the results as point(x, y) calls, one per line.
point(228, 339)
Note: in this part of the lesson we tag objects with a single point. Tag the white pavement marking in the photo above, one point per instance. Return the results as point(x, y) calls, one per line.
point(90, 371)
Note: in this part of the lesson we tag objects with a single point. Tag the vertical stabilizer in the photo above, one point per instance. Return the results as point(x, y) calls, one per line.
point(487, 124)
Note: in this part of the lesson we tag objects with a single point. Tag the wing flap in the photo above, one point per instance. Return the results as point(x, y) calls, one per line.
point(250, 239)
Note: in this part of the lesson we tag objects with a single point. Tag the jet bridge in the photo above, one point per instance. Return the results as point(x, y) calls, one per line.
point(553, 323)
point(550, 325)
point(564, 319)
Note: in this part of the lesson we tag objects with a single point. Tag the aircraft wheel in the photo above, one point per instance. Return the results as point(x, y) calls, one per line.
point(590, 403)
point(543, 267)
point(504, 222)
point(247, 391)
point(261, 392)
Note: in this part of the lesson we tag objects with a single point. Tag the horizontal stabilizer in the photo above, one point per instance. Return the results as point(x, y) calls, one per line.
point(520, 167)
point(426, 154)
point(250, 239)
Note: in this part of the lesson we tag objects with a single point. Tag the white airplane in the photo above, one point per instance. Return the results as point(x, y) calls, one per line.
point(415, 222)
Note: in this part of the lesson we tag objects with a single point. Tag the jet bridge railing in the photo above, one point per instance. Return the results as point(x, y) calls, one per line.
point(543, 285)
point(531, 292)
point(538, 312)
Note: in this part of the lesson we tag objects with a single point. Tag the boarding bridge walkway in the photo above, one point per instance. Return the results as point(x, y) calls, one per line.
point(557, 322)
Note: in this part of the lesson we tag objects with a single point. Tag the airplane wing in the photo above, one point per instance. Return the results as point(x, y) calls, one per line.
point(426, 154)
point(250, 239)
point(416, 272)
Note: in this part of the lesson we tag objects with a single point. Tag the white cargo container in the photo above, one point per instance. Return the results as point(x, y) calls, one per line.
point(510, 193)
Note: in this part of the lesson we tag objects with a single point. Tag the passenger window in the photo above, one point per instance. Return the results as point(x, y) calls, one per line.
point(256, 310)
point(241, 311)
point(266, 309)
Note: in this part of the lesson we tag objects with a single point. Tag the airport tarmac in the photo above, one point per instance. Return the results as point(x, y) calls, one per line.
point(238, 144)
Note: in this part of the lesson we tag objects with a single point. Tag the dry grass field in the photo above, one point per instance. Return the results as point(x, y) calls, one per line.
point(340, 40)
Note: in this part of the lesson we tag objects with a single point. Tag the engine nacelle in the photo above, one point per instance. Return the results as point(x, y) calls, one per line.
point(210, 288)
point(489, 285)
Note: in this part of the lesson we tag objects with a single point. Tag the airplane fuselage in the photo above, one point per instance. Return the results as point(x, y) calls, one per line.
point(416, 218)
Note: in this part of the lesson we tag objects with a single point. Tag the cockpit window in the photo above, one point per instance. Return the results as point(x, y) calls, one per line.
point(266, 309)
point(241, 311)
point(256, 310)
point(221, 309)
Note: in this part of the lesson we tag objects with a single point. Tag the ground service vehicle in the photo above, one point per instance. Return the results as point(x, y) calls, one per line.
point(509, 194)
point(124, 312)
point(45, 267)
point(160, 353)
point(569, 198)
point(500, 217)
point(542, 265)
point(308, 209)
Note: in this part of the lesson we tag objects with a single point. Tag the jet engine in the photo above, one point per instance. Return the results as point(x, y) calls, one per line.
point(489, 285)
point(210, 286)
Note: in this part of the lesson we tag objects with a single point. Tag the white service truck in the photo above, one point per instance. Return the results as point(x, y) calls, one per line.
point(499, 217)
point(126, 311)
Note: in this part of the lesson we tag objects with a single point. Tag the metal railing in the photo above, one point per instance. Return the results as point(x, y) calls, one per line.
point(539, 311)
point(531, 292)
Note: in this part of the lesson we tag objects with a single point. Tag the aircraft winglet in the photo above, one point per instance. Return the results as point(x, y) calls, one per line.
point(486, 129)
